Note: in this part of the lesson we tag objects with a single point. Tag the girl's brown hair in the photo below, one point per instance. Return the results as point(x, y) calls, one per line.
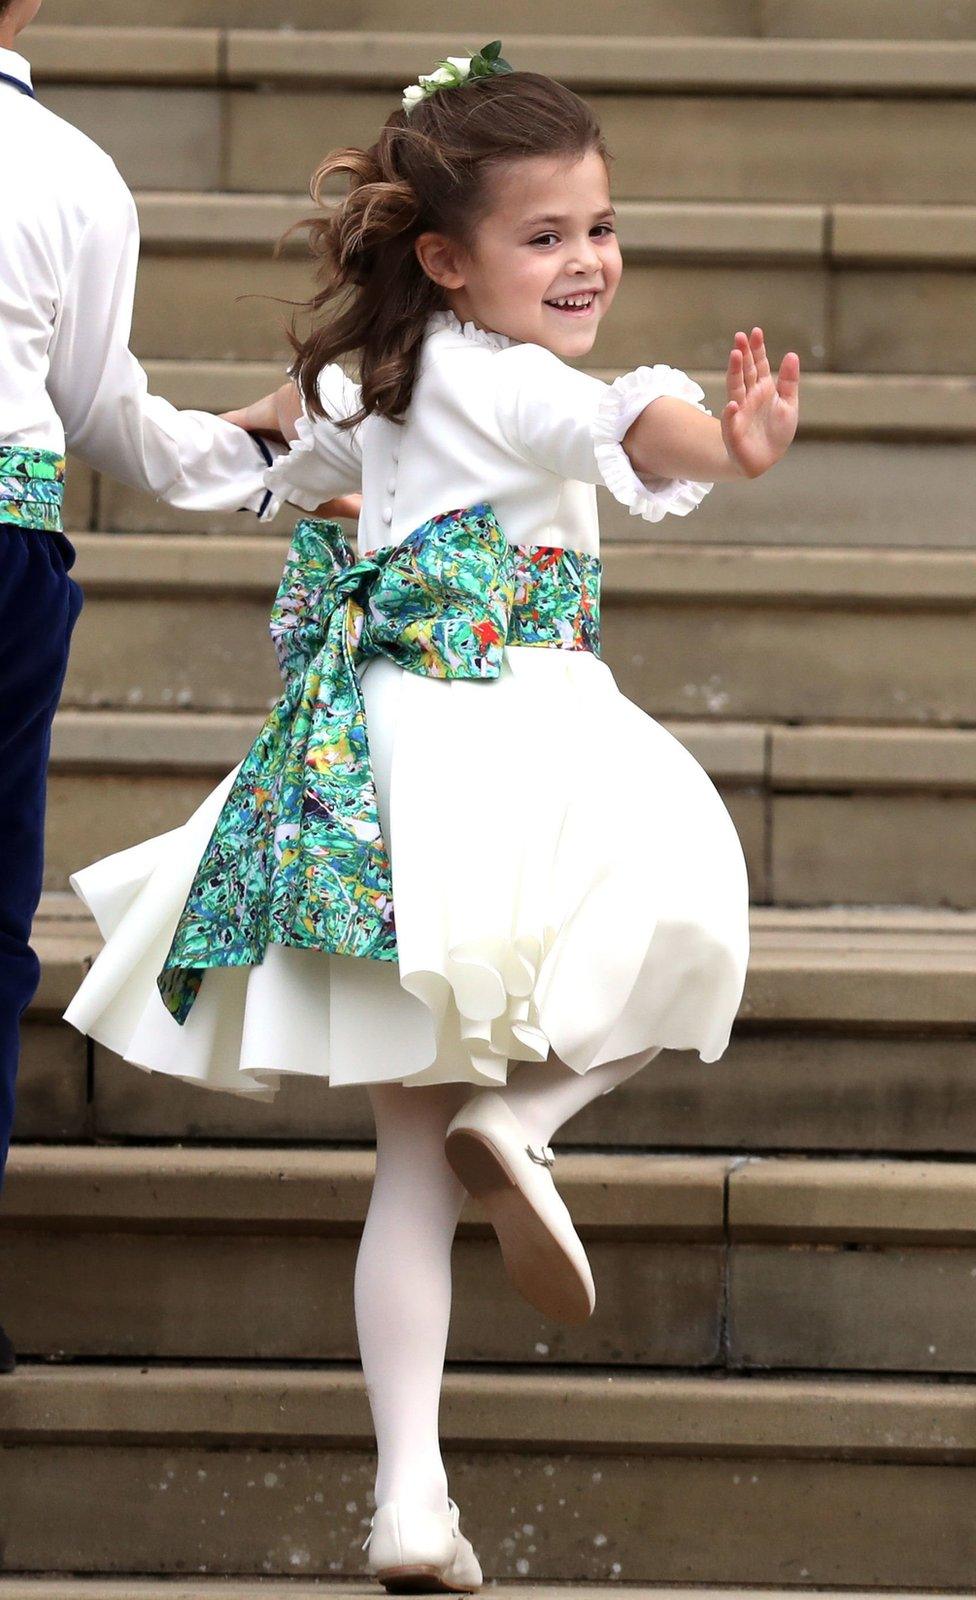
point(427, 171)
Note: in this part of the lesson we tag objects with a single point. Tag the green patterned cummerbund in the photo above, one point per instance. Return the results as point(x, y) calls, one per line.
point(31, 488)
point(297, 857)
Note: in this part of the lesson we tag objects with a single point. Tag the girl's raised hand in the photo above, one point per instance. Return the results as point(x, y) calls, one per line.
point(760, 418)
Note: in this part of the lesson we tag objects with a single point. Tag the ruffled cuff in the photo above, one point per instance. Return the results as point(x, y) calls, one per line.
point(321, 463)
point(651, 498)
point(291, 476)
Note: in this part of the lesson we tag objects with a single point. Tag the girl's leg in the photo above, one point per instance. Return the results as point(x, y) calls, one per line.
point(545, 1094)
point(403, 1286)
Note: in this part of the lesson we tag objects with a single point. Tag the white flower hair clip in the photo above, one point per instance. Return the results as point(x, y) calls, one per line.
point(454, 70)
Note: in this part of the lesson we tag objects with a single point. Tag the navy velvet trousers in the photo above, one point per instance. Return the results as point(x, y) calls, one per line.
point(39, 604)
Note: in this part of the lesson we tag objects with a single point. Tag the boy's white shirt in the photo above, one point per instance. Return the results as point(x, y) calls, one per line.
point(490, 419)
point(68, 257)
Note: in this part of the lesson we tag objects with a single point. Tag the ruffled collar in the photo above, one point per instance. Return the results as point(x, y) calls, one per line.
point(469, 330)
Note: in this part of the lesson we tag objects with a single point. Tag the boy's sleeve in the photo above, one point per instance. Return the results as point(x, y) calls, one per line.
point(324, 461)
point(190, 458)
point(570, 423)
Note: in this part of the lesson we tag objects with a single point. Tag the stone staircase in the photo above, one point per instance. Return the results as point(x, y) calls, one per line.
point(296, 1589)
point(778, 1388)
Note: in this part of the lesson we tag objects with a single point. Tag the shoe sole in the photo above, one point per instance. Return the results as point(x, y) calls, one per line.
point(542, 1271)
point(418, 1580)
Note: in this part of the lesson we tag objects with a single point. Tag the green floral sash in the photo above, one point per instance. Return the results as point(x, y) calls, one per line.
point(297, 857)
point(31, 488)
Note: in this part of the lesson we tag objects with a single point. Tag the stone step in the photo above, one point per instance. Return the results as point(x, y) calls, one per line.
point(359, 58)
point(845, 315)
point(152, 771)
point(846, 1482)
point(856, 1034)
point(164, 616)
point(626, 16)
point(860, 494)
point(839, 405)
point(791, 19)
point(294, 1589)
point(826, 815)
point(879, 460)
point(836, 235)
point(723, 1262)
point(899, 129)
point(829, 280)
point(841, 272)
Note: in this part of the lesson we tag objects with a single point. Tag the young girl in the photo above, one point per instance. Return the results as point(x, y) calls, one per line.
point(519, 888)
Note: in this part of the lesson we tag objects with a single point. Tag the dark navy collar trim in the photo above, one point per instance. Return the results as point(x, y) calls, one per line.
point(18, 83)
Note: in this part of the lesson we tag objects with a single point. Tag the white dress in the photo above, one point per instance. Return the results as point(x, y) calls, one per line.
point(565, 875)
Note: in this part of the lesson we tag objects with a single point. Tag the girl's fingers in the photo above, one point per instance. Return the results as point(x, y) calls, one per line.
point(758, 346)
point(260, 416)
point(748, 364)
point(734, 385)
point(238, 418)
point(788, 381)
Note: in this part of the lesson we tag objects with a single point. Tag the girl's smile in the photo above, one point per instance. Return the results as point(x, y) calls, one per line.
point(580, 304)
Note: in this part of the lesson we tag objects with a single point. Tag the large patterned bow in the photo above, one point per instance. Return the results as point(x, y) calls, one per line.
point(297, 856)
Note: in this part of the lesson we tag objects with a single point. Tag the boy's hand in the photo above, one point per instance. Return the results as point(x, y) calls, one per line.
point(274, 414)
point(760, 418)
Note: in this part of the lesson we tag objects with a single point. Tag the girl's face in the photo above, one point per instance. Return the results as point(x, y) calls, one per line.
point(548, 238)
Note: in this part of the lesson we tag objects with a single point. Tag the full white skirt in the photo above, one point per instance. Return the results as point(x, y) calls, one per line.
point(565, 877)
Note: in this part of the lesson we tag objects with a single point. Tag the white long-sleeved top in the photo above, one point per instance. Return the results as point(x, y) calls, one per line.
point(491, 419)
point(69, 247)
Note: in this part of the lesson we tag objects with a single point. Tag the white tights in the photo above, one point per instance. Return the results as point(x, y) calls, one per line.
point(403, 1270)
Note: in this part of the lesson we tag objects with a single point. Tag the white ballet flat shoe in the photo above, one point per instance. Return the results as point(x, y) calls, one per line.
point(415, 1551)
point(544, 1256)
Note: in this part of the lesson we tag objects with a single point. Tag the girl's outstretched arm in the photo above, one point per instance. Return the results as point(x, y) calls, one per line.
point(671, 439)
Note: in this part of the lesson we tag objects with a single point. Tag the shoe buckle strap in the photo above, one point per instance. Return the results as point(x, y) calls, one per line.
point(542, 1154)
point(455, 1523)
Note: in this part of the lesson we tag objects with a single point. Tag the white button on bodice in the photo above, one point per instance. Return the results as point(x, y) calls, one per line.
point(391, 486)
point(387, 514)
